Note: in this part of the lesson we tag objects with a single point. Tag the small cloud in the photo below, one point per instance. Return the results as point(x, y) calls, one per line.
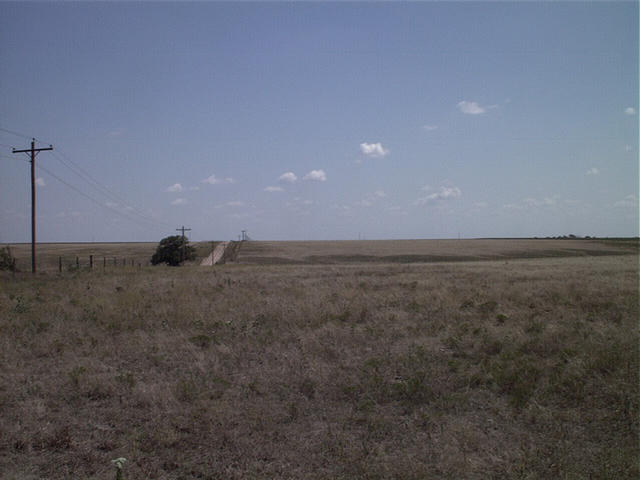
point(238, 216)
point(429, 128)
point(111, 204)
point(511, 206)
point(445, 193)
point(115, 133)
point(481, 204)
point(40, 182)
point(534, 202)
point(194, 188)
point(68, 214)
point(288, 177)
point(213, 180)
point(307, 202)
point(364, 203)
point(176, 187)
point(274, 189)
point(630, 111)
point(235, 203)
point(630, 201)
point(179, 201)
point(593, 171)
point(380, 193)
point(373, 149)
point(470, 108)
point(317, 175)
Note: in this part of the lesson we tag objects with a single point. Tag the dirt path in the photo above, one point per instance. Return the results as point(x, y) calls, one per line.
point(216, 255)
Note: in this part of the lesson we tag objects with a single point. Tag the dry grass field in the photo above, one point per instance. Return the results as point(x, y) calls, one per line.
point(412, 251)
point(504, 368)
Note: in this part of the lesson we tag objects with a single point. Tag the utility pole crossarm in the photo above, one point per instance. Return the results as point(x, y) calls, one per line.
point(36, 150)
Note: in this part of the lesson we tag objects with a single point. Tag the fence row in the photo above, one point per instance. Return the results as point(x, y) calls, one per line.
point(99, 262)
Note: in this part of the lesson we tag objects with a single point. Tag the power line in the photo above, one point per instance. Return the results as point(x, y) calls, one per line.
point(16, 133)
point(99, 203)
point(84, 175)
point(96, 185)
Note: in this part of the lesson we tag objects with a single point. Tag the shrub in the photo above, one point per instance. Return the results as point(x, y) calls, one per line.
point(7, 261)
point(172, 251)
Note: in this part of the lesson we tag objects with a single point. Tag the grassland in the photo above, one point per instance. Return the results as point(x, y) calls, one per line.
point(511, 368)
point(416, 251)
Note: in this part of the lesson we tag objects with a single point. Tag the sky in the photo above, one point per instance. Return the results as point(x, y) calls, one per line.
point(319, 121)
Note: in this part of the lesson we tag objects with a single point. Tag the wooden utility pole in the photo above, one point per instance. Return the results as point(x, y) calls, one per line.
point(183, 230)
point(33, 151)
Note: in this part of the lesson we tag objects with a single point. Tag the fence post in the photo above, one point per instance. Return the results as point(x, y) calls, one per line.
point(114, 261)
point(77, 262)
point(104, 262)
point(91, 262)
point(60, 264)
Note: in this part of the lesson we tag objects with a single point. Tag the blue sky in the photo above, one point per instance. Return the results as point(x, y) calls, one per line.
point(307, 121)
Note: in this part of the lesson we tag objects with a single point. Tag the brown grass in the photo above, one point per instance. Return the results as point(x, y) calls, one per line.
point(415, 251)
point(486, 369)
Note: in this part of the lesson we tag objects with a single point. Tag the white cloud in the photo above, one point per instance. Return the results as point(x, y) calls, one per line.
point(179, 201)
point(235, 203)
point(630, 201)
point(445, 193)
point(213, 180)
point(373, 149)
point(194, 188)
point(176, 187)
point(627, 148)
point(317, 175)
point(40, 182)
point(593, 171)
point(68, 214)
point(288, 177)
point(430, 128)
point(481, 204)
point(380, 193)
point(364, 203)
point(511, 206)
point(111, 204)
point(238, 216)
point(274, 189)
point(630, 111)
point(534, 202)
point(470, 108)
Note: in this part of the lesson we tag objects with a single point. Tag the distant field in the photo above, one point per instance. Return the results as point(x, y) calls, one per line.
point(411, 251)
point(329, 252)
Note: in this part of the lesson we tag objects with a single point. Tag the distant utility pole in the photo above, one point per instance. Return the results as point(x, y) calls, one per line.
point(183, 230)
point(244, 235)
point(33, 151)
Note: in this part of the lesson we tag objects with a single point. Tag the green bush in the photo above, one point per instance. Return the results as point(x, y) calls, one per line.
point(172, 251)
